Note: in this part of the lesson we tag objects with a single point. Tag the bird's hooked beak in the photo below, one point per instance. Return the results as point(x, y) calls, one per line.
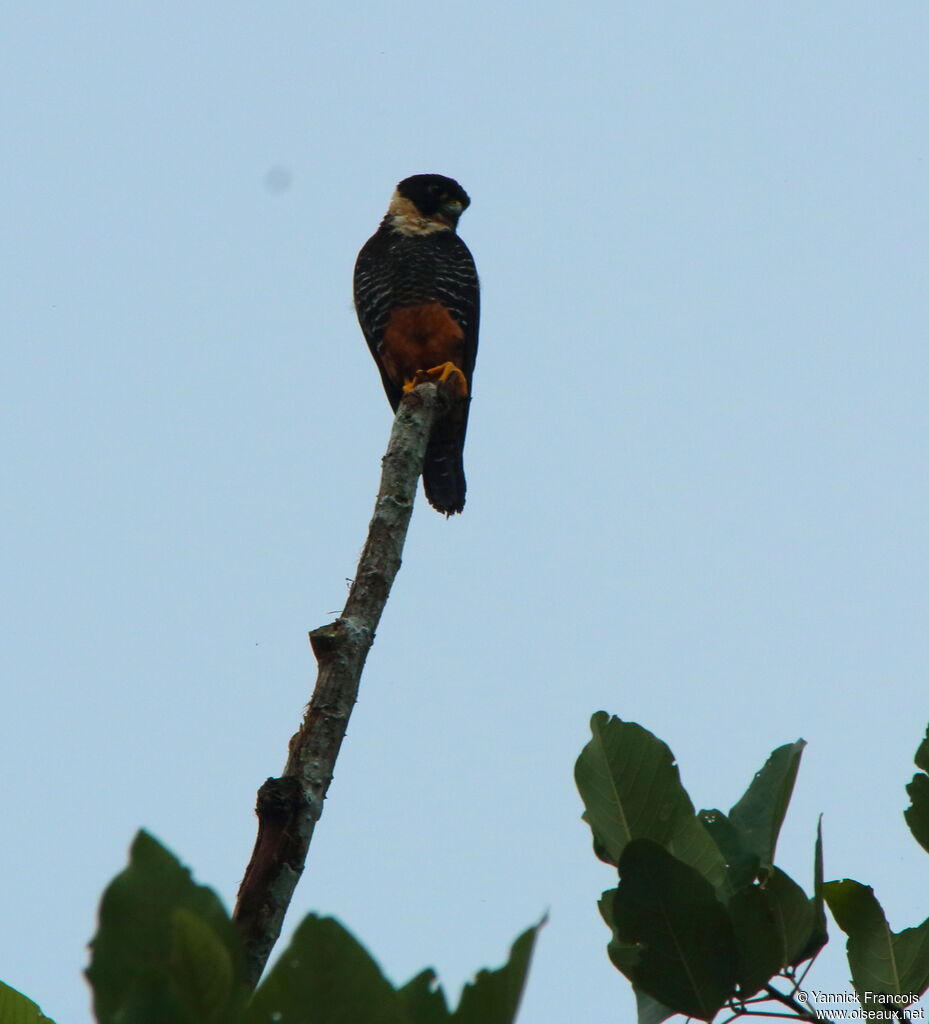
point(452, 210)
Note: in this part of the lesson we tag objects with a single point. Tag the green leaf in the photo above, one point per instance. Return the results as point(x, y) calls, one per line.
point(774, 923)
point(325, 976)
point(922, 753)
point(15, 1008)
point(760, 955)
point(202, 967)
point(686, 947)
point(882, 962)
point(741, 863)
point(854, 907)
point(819, 933)
point(649, 1010)
point(493, 997)
point(623, 955)
point(917, 814)
point(760, 812)
point(631, 789)
point(794, 915)
point(165, 948)
point(423, 999)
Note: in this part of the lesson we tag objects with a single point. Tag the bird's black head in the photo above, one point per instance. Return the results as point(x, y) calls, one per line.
point(435, 196)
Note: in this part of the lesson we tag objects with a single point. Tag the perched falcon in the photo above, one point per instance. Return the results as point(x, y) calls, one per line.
point(416, 294)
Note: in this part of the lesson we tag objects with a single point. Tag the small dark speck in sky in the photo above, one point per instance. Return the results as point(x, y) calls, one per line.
point(277, 179)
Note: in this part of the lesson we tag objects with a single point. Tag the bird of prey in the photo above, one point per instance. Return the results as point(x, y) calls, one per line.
point(417, 299)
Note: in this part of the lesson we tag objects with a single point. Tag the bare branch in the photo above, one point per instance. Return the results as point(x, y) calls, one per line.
point(289, 807)
point(802, 1010)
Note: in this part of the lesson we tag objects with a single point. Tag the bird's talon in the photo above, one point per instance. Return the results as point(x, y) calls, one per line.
point(447, 374)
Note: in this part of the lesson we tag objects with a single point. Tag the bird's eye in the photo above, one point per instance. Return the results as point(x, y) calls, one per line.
point(435, 189)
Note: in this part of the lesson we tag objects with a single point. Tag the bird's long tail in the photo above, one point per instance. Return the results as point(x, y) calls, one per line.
point(443, 467)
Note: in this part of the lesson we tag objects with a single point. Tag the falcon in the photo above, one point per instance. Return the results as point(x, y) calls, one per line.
point(418, 303)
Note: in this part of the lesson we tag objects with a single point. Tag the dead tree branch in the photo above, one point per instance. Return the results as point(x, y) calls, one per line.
point(289, 807)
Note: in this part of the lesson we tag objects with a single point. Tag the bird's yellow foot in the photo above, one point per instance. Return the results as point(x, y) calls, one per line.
point(446, 373)
point(452, 377)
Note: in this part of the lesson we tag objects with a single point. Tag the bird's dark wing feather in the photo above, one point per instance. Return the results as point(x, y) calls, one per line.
point(395, 270)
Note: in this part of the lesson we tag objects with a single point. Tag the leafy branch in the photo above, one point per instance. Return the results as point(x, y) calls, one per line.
point(166, 950)
point(702, 918)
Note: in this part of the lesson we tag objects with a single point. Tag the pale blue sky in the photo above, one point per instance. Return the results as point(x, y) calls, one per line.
point(697, 463)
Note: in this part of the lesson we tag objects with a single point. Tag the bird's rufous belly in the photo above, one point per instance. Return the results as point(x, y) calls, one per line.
point(419, 338)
